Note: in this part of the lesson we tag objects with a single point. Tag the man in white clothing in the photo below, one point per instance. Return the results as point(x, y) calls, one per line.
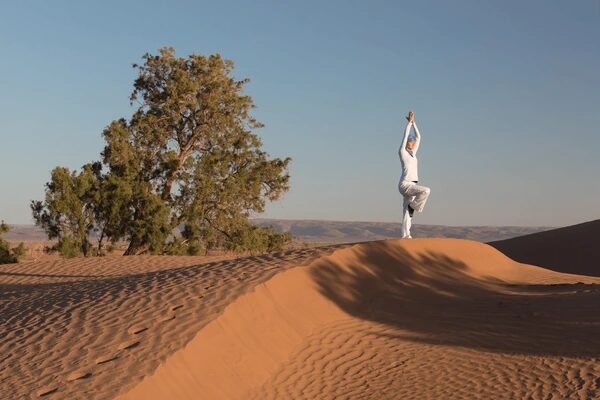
point(415, 196)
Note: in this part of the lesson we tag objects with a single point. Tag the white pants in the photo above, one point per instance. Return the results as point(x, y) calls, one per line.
point(415, 196)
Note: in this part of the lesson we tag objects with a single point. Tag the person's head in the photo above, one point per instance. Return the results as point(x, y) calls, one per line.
point(411, 141)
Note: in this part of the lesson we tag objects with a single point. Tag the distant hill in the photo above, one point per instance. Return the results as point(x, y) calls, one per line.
point(25, 233)
point(342, 232)
point(572, 249)
point(316, 231)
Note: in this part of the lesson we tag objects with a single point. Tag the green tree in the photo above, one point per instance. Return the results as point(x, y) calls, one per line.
point(7, 254)
point(68, 213)
point(188, 156)
point(186, 160)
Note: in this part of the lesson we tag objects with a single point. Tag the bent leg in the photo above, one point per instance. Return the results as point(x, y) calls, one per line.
point(421, 194)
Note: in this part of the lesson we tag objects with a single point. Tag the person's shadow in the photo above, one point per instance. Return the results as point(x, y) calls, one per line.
point(430, 298)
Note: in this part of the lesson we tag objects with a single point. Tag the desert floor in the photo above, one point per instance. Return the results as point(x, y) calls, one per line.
point(393, 319)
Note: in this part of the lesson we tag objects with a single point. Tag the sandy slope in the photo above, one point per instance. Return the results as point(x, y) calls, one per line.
point(573, 249)
point(429, 318)
point(426, 318)
point(91, 328)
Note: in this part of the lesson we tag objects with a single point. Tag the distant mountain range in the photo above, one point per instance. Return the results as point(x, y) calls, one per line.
point(317, 231)
point(312, 231)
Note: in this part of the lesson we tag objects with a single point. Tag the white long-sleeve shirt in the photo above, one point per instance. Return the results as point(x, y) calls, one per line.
point(410, 164)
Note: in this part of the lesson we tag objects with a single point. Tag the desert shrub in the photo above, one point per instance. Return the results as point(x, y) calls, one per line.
point(69, 247)
point(9, 255)
point(258, 240)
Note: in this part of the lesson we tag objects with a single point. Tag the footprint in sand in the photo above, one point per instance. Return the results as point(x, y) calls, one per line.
point(106, 358)
point(167, 317)
point(176, 307)
point(76, 375)
point(46, 390)
point(138, 328)
point(129, 344)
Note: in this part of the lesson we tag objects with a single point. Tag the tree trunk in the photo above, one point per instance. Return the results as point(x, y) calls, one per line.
point(85, 247)
point(135, 248)
point(100, 243)
point(132, 248)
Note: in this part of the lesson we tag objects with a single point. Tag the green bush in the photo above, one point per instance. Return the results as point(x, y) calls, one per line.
point(9, 255)
point(258, 240)
point(69, 247)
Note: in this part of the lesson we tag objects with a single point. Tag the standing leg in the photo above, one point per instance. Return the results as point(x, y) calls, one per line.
point(406, 218)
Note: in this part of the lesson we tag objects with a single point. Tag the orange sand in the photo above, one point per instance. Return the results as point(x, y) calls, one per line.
point(573, 249)
point(396, 319)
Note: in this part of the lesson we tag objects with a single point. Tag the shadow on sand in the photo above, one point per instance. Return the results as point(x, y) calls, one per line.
point(432, 299)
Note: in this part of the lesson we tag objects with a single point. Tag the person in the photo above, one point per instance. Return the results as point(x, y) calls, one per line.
point(414, 196)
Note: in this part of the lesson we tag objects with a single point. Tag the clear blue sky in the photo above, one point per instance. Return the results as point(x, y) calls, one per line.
point(506, 94)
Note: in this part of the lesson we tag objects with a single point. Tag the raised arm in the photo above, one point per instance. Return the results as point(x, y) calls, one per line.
point(418, 140)
point(405, 138)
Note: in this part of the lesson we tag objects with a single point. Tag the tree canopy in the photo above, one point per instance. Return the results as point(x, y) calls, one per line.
point(186, 161)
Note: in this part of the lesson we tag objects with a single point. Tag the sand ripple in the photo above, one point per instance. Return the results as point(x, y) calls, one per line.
point(91, 328)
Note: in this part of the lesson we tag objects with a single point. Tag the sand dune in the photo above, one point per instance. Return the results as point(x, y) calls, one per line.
point(92, 328)
point(436, 318)
point(395, 319)
point(572, 249)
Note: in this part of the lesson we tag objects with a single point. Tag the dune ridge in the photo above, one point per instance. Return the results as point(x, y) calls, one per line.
point(426, 318)
point(573, 249)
